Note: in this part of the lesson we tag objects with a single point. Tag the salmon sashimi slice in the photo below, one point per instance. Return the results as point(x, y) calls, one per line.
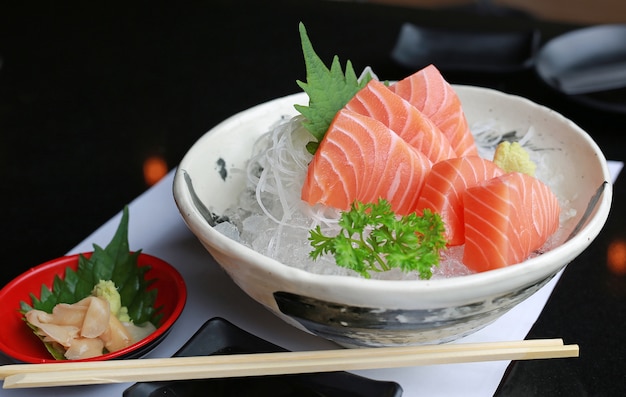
point(429, 92)
point(362, 159)
point(506, 219)
point(444, 187)
point(379, 102)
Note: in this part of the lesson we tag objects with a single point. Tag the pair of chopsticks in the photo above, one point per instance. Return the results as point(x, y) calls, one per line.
point(258, 364)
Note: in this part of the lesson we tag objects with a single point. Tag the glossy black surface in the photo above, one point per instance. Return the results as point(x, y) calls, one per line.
point(88, 92)
point(218, 337)
point(465, 50)
point(589, 64)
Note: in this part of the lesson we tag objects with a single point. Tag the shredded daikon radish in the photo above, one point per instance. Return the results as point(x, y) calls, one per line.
point(272, 219)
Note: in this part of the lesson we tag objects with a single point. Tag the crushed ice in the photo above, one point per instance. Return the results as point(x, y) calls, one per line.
point(271, 218)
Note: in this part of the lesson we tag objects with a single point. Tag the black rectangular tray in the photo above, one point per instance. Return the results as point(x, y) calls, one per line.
point(219, 336)
point(469, 51)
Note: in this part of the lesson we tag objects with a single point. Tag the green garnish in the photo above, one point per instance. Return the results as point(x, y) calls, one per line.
point(374, 238)
point(328, 89)
point(115, 263)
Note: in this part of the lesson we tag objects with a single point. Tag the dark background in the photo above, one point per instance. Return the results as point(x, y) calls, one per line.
point(89, 90)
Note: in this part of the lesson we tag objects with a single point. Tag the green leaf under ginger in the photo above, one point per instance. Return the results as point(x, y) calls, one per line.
point(328, 89)
point(115, 263)
point(373, 239)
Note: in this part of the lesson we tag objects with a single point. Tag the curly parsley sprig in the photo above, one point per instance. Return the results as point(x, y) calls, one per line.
point(374, 239)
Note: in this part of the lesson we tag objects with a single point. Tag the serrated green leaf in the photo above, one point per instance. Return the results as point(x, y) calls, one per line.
point(115, 262)
point(328, 89)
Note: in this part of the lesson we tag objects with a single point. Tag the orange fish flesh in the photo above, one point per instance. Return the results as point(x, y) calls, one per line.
point(379, 102)
point(444, 187)
point(362, 159)
point(430, 93)
point(506, 219)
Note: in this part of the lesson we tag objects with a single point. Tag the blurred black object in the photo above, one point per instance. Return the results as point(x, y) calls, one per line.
point(587, 65)
point(460, 50)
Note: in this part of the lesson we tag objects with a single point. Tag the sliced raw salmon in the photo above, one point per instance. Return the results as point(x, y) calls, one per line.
point(429, 92)
point(506, 219)
point(444, 187)
point(362, 159)
point(379, 102)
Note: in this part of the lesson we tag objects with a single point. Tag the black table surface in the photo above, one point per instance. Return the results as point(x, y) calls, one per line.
point(88, 92)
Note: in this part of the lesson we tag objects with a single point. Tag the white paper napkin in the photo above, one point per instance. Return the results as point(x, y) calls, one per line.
point(156, 227)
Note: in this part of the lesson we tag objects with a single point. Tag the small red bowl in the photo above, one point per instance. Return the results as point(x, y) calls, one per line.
point(18, 341)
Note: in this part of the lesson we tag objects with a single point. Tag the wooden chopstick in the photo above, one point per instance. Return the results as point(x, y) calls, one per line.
point(258, 364)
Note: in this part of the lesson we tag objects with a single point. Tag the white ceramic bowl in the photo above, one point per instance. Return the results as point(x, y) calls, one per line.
point(366, 312)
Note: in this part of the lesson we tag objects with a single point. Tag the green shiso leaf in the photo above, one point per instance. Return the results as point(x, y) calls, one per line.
point(115, 263)
point(328, 89)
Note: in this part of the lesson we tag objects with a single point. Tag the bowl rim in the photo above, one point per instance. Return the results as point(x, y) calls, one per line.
point(58, 265)
point(504, 278)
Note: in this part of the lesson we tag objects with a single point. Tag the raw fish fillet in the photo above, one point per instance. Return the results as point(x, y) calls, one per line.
point(506, 219)
point(362, 159)
point(429, 92)
point(444, 187)
point(379, 102)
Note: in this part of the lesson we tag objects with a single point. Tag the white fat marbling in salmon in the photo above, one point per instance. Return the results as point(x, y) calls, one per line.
point(376, 100)
point(444, 187)
point(429, 92)
point(362, 159)
point(506, 219)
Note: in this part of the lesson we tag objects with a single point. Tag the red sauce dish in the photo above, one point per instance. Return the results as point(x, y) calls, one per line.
point(18, 341)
